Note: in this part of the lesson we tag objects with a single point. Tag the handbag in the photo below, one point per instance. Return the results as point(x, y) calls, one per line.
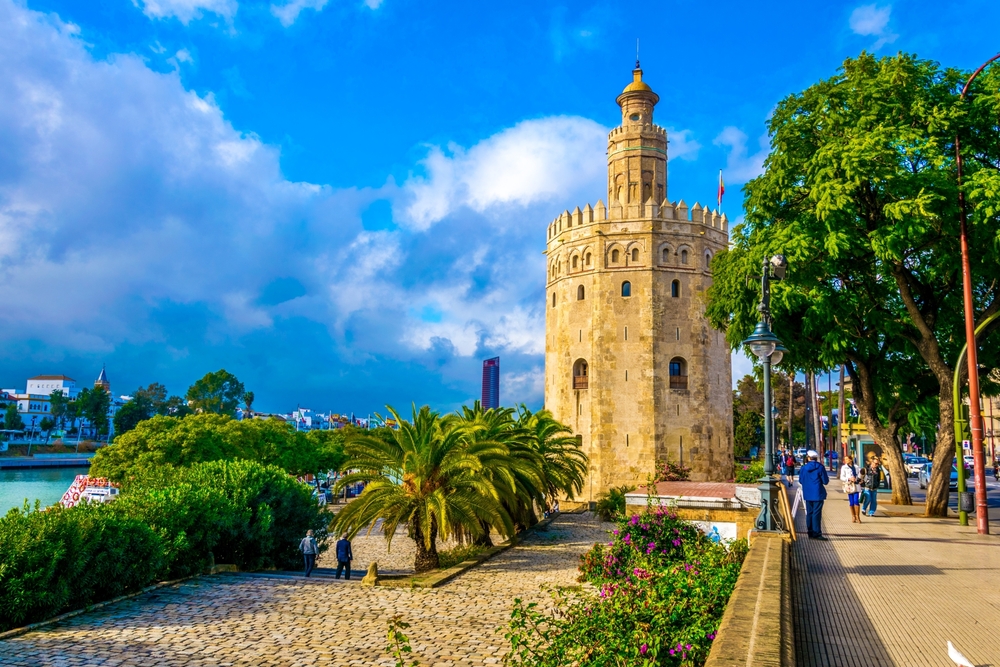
point(851, 486)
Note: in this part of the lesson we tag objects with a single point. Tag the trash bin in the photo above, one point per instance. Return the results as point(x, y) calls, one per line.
point(967, 501)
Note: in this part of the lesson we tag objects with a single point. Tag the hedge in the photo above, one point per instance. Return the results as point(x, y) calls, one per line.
point(240, 512)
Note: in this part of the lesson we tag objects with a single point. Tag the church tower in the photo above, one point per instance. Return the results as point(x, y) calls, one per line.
point(631, 363)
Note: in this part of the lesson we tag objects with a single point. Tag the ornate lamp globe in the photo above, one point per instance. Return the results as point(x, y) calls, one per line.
point(778, 354)
point(762, 342)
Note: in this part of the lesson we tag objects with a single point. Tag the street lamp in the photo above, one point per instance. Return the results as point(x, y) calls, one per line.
point(764, 344)
point(975, 414)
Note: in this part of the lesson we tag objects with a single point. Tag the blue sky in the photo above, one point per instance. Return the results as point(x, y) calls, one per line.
point(344, 202)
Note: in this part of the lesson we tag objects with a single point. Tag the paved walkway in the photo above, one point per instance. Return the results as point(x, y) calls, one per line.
point(242, 620)
point(892, 590)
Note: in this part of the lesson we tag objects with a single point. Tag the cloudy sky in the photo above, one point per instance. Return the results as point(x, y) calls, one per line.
point(344, 202)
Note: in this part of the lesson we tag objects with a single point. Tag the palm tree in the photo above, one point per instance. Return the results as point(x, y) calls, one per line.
point(515, 469)
point(427, 475)
point(564, 465)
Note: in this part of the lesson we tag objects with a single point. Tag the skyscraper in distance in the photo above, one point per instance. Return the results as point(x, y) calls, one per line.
point(491, 383)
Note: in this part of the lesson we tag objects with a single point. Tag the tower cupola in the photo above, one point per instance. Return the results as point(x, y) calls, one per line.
point(637, 151)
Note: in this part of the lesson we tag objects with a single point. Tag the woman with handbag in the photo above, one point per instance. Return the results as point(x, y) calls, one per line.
point(849, 476)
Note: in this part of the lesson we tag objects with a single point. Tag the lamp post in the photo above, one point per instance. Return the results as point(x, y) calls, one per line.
point(763, 344)
point(975, 414)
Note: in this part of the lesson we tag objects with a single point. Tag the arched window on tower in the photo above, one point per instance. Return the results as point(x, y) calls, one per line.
point(675, 289)
point(635, 254)
point(587, 259)
point(579, 293)
point(684, 256)
point(553, 299)
point(575, 259)
point(708, 260)
point(678, 373)
point(626, 288)
point(580, 377)
point(615, 256)
point(666, 255)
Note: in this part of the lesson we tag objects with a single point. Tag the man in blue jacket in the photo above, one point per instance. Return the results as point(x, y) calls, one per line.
point(344, 556)
point(813, 480)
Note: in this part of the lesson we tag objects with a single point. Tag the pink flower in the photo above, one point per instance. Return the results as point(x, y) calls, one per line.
point(643, 649)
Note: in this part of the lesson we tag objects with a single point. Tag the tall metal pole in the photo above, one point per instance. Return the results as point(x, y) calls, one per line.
point(840, 416)
point(975, 414)
point(791, 407)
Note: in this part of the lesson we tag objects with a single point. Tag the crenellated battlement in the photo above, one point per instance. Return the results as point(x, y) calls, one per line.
point(618, 133)
point(665, 211)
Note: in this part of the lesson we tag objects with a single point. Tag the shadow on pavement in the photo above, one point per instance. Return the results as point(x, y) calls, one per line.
point(831, 626)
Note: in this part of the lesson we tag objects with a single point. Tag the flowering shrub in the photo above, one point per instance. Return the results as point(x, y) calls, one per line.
point(668, 471)
point(749, 473)
point(662, 586)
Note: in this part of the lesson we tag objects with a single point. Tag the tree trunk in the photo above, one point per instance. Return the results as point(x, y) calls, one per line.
point(885, 434)
point(817, 422)
point(484, 540)
point(944, 452)
point(426, 559)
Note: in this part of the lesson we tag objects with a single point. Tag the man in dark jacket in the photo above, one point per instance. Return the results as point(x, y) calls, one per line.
point(344, 556)
point(813, 480)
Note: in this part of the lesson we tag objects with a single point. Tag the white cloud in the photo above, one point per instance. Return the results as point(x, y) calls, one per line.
point(289, 12)
point(873, 21)
point(740, 166)
point(186, 10)
point(373, 4)
point(681, 145)
point(536, 160)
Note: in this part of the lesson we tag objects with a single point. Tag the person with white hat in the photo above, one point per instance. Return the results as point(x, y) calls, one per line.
point(813, 480)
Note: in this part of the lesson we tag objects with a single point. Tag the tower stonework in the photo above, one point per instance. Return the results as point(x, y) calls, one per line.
point(631, 363)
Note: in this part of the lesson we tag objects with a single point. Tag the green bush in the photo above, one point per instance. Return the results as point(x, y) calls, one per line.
point(156, 446)
point(163, 526)
point(461, 553)
point(611, 505)
point(60, 559)
point(749, 473)
point(662, 589)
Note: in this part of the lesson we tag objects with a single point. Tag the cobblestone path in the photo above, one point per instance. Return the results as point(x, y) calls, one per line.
point(889, 592)
point(236, 620)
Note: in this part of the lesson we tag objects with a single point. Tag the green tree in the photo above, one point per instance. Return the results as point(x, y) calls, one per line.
point(248, 403)
point(153, 397)
point(564, 465)
point(160, 444)
point(748, 431)
point(59, 406)
point(46, 425)
point(427, 476)
point(859, 192)
point(177, 407)
point(12, 418)
point(219, 392)
point(94, 405)
point(130, 414)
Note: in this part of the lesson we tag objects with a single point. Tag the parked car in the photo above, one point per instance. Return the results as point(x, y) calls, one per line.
point(914, 464)
point(970, 462)
point(924, 476)
point(800, 454)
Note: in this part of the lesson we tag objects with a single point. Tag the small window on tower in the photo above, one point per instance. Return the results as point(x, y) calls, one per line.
point(553, 299)
point(615, 255)
point(626, 288)
point(574, 262)
point(684, 256)
point(666, 255)
point(635, 118)
point(675, 289)
point(635, 254)
point(579, 293)
point(587, 260)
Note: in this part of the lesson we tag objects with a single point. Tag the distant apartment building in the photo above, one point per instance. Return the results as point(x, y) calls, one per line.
point(35, 400)
point(491, 383)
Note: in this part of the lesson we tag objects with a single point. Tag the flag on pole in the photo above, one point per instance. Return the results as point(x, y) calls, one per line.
point(722, 189)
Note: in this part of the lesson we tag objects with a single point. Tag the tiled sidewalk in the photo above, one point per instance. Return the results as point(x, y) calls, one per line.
point(229, 620)
point(892, 590)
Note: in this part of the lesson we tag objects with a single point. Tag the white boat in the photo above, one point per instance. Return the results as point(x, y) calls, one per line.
point(90, 489)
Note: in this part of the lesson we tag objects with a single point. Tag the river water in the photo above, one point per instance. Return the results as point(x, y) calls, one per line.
point(44, 484)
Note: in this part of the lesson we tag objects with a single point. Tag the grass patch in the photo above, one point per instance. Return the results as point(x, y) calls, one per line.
point(452, 557)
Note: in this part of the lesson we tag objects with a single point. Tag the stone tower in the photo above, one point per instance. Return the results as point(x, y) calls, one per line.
point(631, 363)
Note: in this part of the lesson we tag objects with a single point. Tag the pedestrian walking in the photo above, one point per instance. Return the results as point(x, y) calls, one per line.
point(813, 480)
point(996, 470)
point(849, 476)
point(871, 482)
point(789, 467)
point(309, 550)
point(344, 556)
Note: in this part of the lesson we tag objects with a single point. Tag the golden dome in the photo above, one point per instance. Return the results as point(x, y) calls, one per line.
point(637, 83)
